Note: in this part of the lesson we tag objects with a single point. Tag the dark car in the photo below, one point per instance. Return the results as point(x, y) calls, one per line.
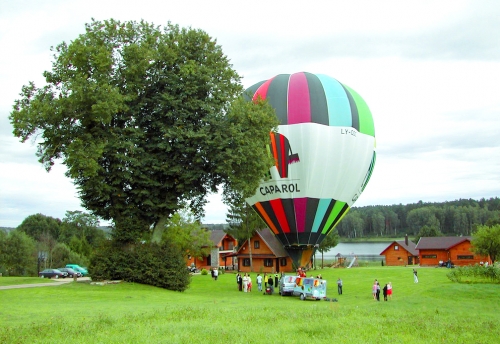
point(70, 272)
point(49, 273)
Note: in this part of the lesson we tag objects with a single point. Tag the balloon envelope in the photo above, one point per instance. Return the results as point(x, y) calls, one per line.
point(324, 154)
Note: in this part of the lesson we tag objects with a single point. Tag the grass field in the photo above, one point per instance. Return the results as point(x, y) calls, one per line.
point(434, 310)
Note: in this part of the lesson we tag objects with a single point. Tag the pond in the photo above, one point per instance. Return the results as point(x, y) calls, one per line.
point(362, 250)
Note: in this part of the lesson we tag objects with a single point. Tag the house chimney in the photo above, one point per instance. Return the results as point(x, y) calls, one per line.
point(406, 239)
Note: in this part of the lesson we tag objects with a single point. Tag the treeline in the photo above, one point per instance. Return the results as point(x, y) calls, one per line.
point(451, 218)
point(43, 241)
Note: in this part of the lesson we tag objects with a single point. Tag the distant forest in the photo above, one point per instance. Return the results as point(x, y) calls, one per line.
point(453, 218)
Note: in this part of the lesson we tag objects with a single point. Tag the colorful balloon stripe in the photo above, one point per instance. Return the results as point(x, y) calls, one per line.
point(306, 97)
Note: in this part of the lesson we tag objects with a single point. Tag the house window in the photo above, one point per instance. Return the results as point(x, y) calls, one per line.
point(429, 256)
point(268, 262)
point(396, 248)
point(283, 261)
point(246, 261)
point(465, 257)
point(256, 244)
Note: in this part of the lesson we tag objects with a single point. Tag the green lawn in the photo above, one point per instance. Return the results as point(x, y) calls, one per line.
point(434, 310)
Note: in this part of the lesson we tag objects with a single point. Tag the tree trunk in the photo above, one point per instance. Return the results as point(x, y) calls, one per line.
point(158, 230)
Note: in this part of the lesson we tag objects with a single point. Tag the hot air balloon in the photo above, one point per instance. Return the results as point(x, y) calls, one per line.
point(324, 152)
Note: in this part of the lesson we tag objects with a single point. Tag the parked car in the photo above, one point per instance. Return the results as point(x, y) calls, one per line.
point(78, 268)
point(287, 284)
point(49, 273)
point(71, 272)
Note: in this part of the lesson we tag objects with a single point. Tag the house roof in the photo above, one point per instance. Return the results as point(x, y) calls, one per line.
point(410, 247)
point(217, 235)
point(270, 240)
point(440, 243)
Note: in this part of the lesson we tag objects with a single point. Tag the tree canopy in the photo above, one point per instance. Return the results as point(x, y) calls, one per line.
point(146, 119)
point(486, 241)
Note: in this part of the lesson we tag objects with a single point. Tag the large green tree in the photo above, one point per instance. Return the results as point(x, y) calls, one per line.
point(486, 241)
point(146, 119)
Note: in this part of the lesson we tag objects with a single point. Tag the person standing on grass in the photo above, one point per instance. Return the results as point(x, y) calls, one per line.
point(378, 291)
point(216, 273)
point(385, 292)
point(249, 283)
point(265, 280)
point(389, 290)
point(374, 290)
point(245, 283)
point(259, 282)
point(415, 277)
point(239, 281)
point(270, 283)
point(339, 286)
point(276, 279)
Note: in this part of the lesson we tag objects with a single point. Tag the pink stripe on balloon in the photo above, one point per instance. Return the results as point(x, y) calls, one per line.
point(300, 205)
point(299, 103)
point(262, 90)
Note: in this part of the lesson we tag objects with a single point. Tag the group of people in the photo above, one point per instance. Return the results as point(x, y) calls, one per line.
point(386, 291)
point(244, 282)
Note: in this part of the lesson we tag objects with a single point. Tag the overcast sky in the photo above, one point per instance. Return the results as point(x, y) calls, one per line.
point(429, 71)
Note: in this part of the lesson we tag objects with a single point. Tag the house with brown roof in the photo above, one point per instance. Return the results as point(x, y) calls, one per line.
point(268, 254)
point(401, 253)
point(457, 250)
point(222, 245)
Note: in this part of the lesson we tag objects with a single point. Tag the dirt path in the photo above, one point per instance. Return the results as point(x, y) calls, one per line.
point(57, 282)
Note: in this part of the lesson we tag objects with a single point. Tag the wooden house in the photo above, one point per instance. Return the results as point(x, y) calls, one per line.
point(222, 244)
point(268, 254)
point(436, 250)
point(401, 253)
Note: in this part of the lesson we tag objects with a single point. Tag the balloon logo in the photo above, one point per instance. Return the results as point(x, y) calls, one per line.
point(324, 155)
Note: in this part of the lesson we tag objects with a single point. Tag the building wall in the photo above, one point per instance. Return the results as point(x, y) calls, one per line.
point(440, 255)
point(395, 257)
point(258, 265)
point(259, 247)
point(462, 255)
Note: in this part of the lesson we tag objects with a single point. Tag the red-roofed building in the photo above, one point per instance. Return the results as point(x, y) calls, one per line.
point(401, 253)
point(435, 250)
point(268, 254)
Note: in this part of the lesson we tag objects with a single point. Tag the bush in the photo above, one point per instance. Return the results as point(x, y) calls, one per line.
point(475, 273)
point(204, 272)
point(160, 265)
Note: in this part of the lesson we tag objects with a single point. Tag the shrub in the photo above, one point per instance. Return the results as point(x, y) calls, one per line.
point(160, 265)
point(204, 272)
point(475, 273)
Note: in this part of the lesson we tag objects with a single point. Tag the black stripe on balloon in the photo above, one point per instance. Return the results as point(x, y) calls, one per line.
point(354, 109)
point(290, 215)
point(319, 107)
point(277, 94)
point(249, 92)
point(311, 209)
point(270, 212)
point(304, 238)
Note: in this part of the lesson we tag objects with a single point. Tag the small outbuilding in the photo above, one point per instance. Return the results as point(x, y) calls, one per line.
point(401, 253)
